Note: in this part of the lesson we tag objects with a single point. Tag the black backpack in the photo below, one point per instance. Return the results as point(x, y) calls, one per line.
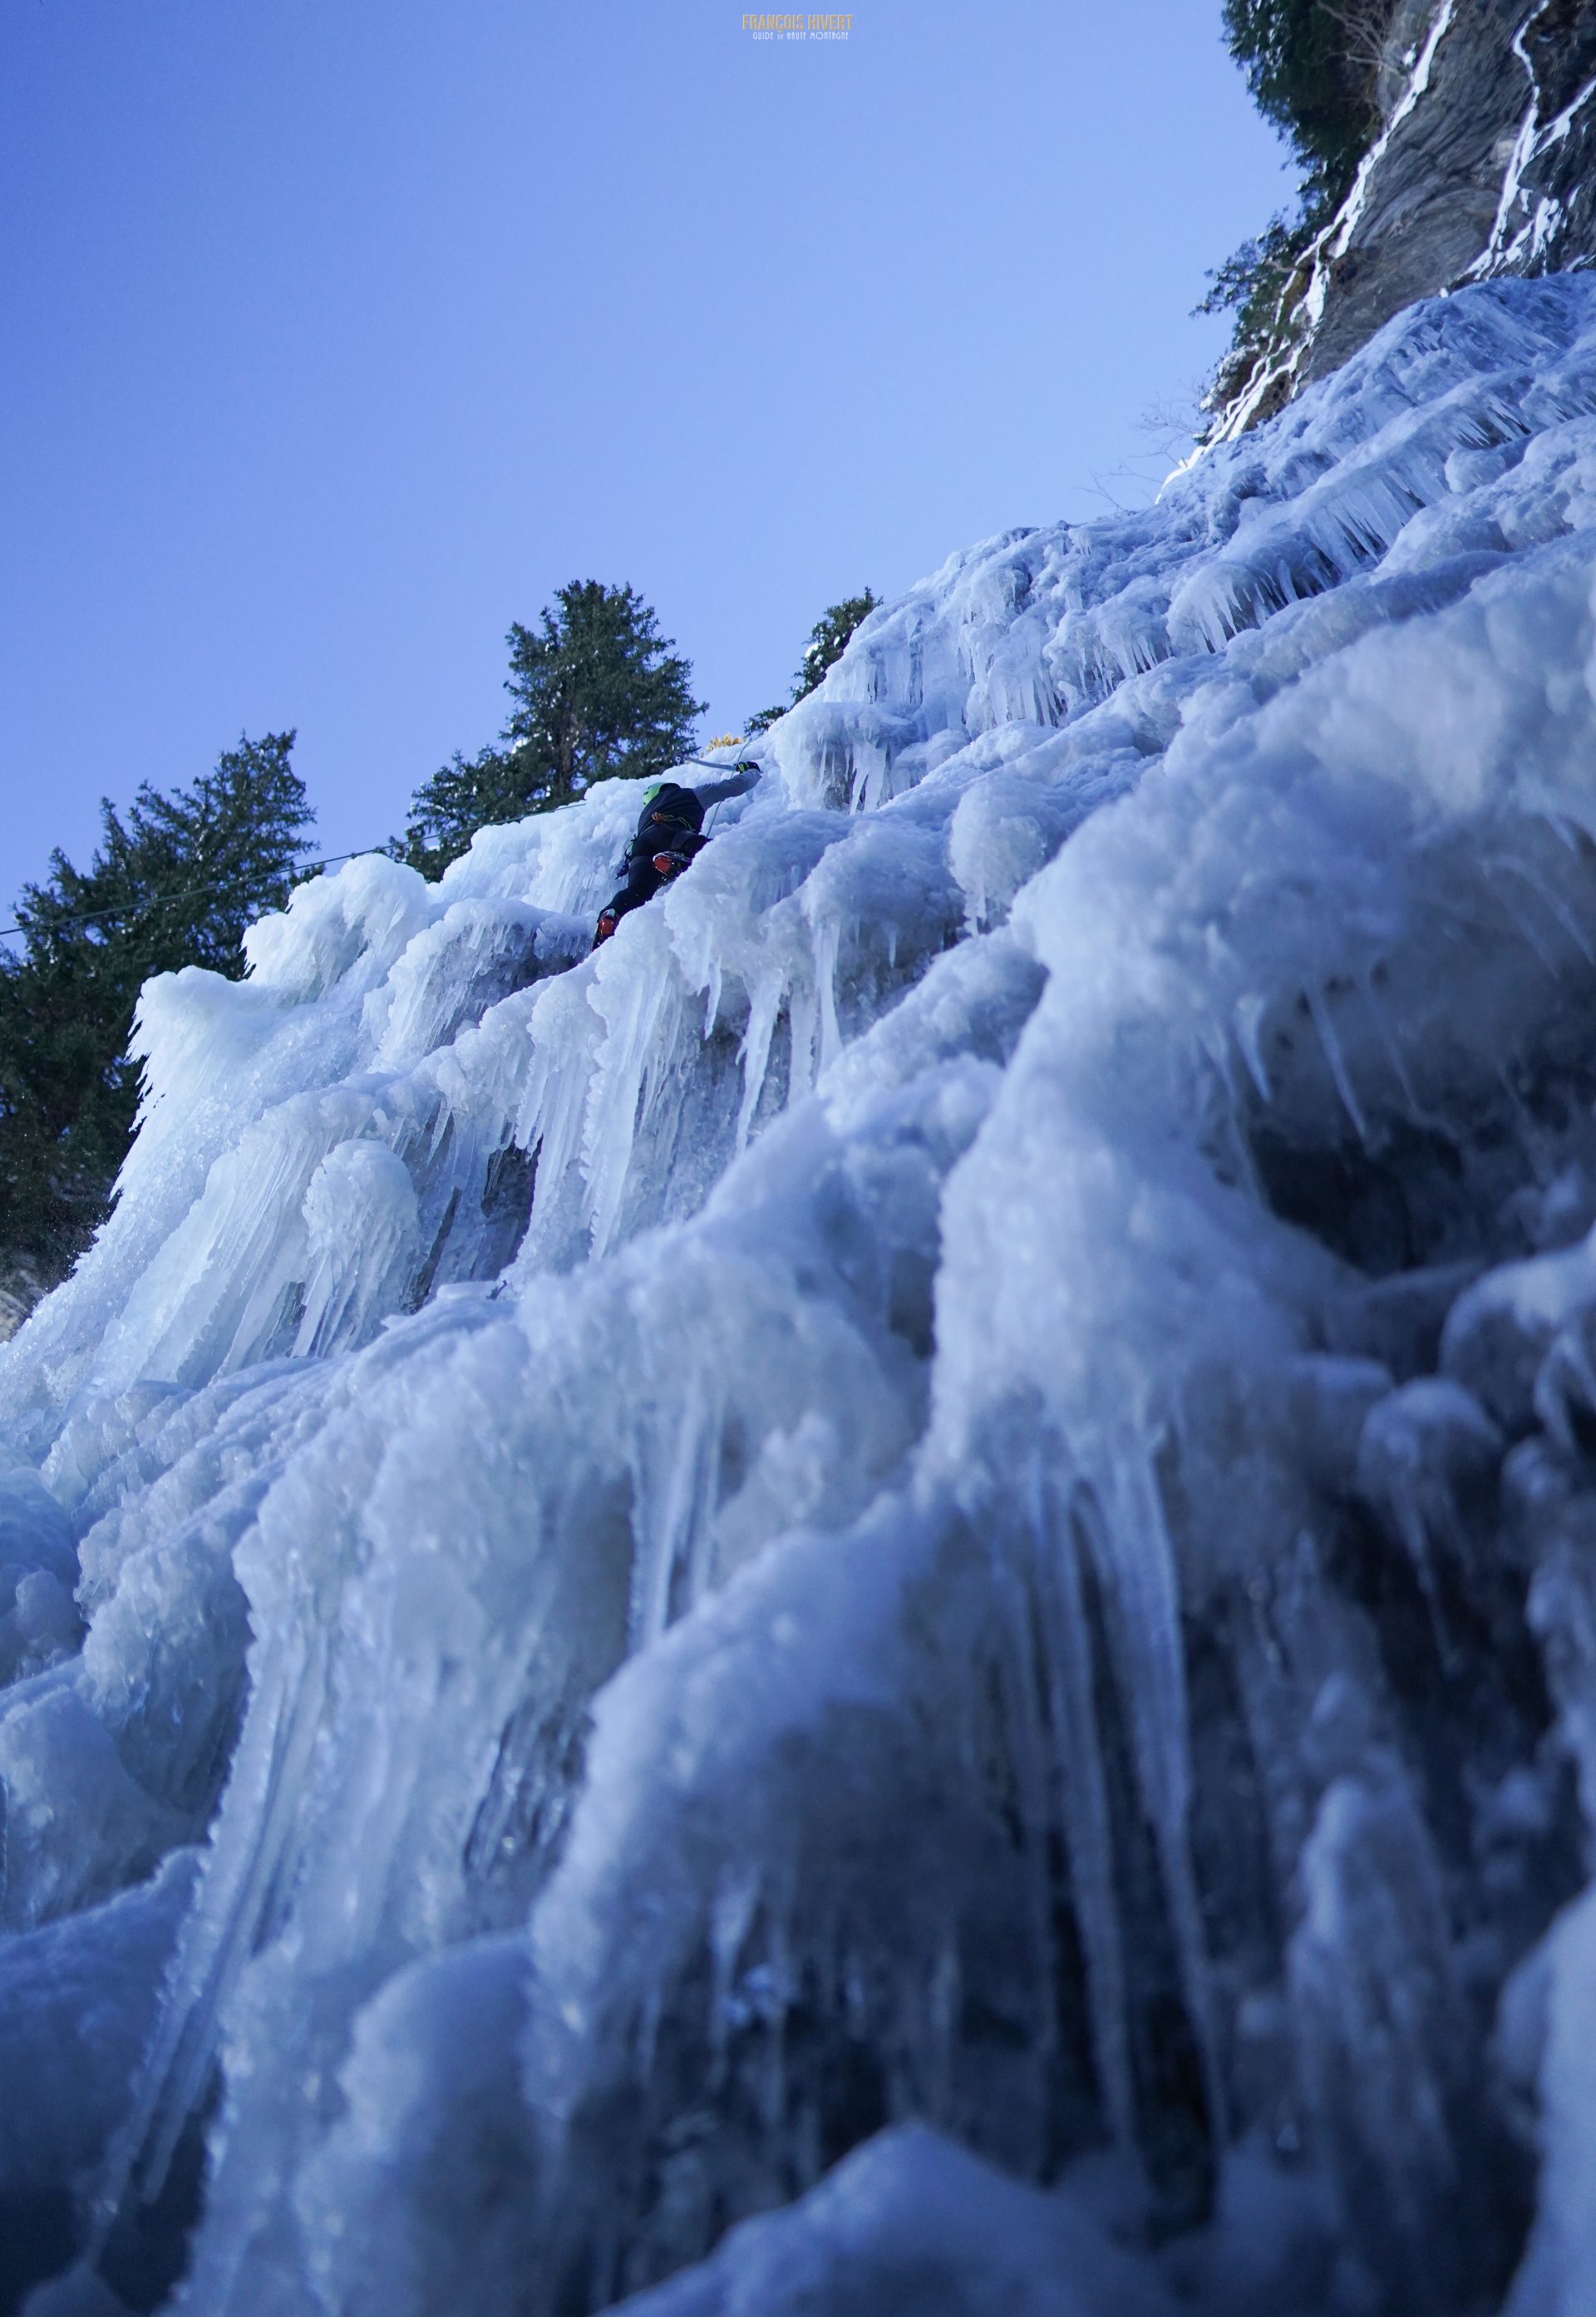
point(670, 813)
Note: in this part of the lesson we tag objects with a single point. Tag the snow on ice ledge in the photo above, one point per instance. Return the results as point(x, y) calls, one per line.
point(916, 1553)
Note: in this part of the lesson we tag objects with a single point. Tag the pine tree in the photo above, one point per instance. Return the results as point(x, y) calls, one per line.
point(828, 641)
point(597, 692)
point(175, 882)
point(1311, 67)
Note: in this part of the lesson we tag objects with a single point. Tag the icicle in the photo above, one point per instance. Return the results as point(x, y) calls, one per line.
point(764, 1005)
point(737, 1903)
point(1320, 1012)
point(1392, 1050)
point(243, 1867)
point(1086, 1828)
point(828, 937)
point(642, 1010)
point(1250, 1012)
point(1383, 2037)
point(677, 1505)
point(1553, 901)
point(803, 1030)
point(1139, 1570)
point(363, 1222)
point(1035, 1737)
point(1424, 1451)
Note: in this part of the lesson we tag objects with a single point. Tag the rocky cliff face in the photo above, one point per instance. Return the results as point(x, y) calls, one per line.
point(1482, 167)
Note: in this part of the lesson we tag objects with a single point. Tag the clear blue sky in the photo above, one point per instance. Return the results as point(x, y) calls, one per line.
point(339, 333)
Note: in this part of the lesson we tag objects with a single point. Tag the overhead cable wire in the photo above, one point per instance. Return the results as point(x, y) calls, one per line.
point(306, 869)
point(189, 893)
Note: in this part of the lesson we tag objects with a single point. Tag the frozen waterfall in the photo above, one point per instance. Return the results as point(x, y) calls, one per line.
point(886, 1600)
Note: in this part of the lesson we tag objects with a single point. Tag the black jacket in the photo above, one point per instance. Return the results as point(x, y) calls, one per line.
point(672, 824)
point(674, 812)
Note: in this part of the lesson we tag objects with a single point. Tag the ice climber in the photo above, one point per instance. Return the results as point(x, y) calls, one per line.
point(669, 834)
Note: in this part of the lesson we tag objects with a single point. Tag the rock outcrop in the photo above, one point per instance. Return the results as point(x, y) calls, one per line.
point(1482, 168)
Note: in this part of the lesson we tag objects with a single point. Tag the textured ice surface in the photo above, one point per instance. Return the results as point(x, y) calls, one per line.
point(887, 1598)
point(910, 2224)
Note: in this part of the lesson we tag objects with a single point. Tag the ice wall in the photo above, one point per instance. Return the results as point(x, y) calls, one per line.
point(887, 1598)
